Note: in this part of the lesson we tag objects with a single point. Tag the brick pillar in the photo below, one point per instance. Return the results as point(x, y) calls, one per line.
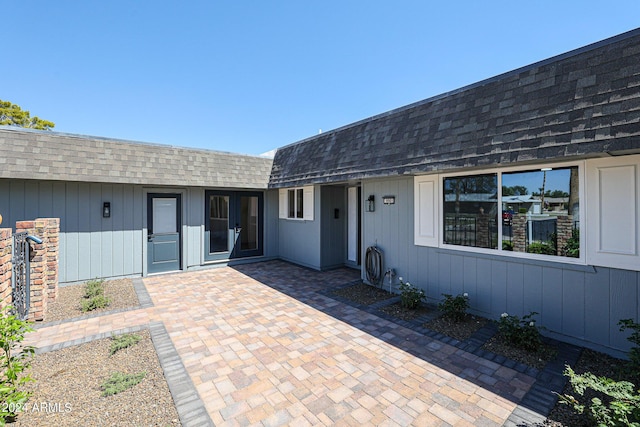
point(519, 232)
point(37, 268)
point(6, 250)
point(482, 230)
point(564, 230)
point(53, 242)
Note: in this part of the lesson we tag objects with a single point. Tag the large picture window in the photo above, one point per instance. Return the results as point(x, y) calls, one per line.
point(529, 211)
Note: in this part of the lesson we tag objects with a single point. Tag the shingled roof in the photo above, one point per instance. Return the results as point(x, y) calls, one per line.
point(49, 155)
point(580, 104)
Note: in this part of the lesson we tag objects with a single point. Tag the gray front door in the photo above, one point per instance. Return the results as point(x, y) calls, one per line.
point(163, 239)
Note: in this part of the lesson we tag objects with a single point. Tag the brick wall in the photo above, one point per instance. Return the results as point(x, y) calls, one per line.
point(43, 263)
point(5, 267)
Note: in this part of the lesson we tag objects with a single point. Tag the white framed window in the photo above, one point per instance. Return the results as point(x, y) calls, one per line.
point(531, 211)
point(296, 203)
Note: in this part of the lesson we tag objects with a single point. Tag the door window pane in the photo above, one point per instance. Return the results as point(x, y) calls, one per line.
point(248, 223)
point(164, 215)
point(470, 211)
point(219, 224)
point(540, 212)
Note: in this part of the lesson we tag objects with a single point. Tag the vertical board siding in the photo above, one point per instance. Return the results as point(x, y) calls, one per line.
point(90, 246)
point(573, 293)
point(96, 224)
point(195, 227)
point(624, 297)
point(271, 222)
point(581, 304)
point(83, 230)
point(107, 235)
point(515, 291)
point(299, 240)
point(117, 217)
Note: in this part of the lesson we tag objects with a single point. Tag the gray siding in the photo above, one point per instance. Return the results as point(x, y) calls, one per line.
point(95, 247)
point(299, 241)
point(579, 304)
point(90, 246)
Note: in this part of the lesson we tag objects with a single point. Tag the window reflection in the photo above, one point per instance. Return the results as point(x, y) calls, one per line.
point(540, 212)
point(470, 211)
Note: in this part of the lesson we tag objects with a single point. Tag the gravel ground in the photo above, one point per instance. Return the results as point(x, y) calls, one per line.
point(459, 330)
point(67, 387)
point(68, 302)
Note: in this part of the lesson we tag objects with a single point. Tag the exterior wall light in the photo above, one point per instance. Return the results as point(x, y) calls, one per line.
point(371, 203)
point(106, 210)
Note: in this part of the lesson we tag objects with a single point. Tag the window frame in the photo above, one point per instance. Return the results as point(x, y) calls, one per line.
point(303, 203)
point(439, 210)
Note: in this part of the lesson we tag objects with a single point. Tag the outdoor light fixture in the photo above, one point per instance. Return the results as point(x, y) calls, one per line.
point(371, 205)
point(106, 210)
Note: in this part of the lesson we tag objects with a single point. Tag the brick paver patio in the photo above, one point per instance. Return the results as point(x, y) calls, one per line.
point(263, 344)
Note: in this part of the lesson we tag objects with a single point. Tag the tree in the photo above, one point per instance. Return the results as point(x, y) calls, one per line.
point(12, 115)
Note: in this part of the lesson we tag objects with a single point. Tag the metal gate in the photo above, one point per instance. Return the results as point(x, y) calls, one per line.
point(20, 275)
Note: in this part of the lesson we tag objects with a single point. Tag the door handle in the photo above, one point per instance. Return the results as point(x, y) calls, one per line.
point(150, 237)
point(237, 229)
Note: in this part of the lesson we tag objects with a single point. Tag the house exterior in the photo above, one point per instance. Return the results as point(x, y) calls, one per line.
point(131, 209)
point(444, 188)
point(425, 182)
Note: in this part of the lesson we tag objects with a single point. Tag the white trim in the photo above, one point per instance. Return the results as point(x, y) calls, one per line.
point(614, 208)
point(428, 240)
point(352, 224)
point(426, 193)
point(307, 203)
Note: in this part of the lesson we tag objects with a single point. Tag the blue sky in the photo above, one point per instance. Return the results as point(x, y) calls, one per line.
point(250, 76)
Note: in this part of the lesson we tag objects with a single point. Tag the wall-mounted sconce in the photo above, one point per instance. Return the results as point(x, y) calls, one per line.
point(389, 200)
point(371, 203)
point(106, 210)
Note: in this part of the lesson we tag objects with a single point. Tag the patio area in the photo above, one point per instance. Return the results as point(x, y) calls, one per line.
point(265, 344)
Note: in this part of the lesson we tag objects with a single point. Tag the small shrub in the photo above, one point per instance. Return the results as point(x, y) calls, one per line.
point(634, 353)
point(455, 308)
point(522, 333)
point(572, 247)
point(410, 296)
point(507, 245)
point(99, 301)
point(93, 288)
point(123, 341)
point(94, 296)
point(545, 248)
point(15, 359)
point(119, 382)
point(623, 402)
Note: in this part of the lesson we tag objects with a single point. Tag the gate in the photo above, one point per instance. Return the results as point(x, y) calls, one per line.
point(20, 276)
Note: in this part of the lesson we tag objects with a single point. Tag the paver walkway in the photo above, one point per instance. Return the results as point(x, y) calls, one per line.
point(262, 345)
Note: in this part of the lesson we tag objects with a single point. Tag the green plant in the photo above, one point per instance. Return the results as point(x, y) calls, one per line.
point(123, 341)
point(634, 353)
point(546, 248)
point(455, 308)
point(94, 296)
point(507, 245)
point(522, 333)
point(94, 303)
point(572, 247)
point(15, 359)
point(119, 382)
point(623, 402)
point(410, 296)
point(93, 288)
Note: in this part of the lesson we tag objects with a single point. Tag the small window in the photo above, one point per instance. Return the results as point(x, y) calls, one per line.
point(296, 203)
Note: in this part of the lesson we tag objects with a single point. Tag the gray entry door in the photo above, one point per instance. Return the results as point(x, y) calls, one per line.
point(163, 239)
